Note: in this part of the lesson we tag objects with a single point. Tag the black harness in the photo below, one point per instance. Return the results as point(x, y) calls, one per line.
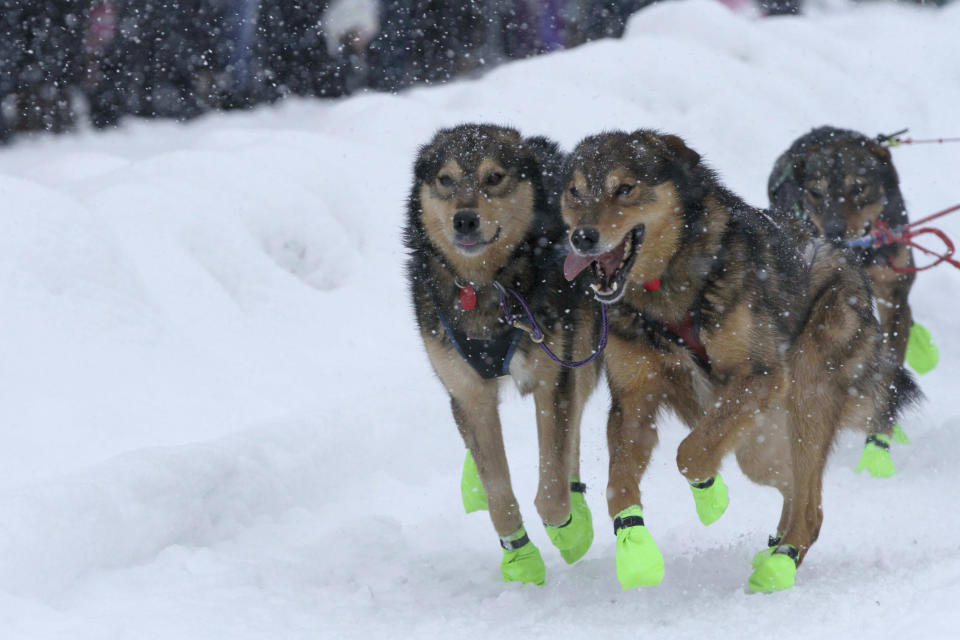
point(489, 358)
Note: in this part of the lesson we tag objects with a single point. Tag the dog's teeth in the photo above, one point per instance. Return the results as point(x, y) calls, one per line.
point(595, 287)
point(614, 285)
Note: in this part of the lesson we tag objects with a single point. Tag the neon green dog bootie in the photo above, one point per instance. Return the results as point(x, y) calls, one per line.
point(471, 489)
point(639, 561)
point(574, 537)
point(899, 436)
point(922, 354)
point(711, 498)
point(876, 457)
point(521, 559)
point(776, 571)
point(772, 543)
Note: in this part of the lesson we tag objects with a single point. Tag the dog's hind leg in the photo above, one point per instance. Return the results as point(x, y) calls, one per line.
point(810, 445)
point(764, 457)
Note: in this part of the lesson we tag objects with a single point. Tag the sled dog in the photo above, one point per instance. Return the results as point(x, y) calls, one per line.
point(844, 184)
point(483, 217)
point(757, 334)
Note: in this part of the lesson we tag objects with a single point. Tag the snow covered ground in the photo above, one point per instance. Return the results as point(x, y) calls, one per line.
point(194, 444)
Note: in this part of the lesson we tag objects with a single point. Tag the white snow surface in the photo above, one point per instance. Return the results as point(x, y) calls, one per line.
point(219, 421)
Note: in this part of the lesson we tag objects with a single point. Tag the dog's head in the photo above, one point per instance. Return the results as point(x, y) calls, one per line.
point(841, 181)
point(624, 204)
point(478, 190)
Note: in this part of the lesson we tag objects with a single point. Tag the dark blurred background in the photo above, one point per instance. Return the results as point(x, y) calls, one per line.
point(64, 61)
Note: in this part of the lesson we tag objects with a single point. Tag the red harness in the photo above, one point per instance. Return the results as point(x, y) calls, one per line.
point(688, 336)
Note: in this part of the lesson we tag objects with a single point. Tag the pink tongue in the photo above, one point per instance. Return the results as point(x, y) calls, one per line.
point(574, 263)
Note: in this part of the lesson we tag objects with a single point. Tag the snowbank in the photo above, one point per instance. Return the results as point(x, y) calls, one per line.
point(218, 420)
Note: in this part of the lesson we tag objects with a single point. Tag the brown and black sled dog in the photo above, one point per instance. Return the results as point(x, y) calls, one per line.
point(484, 213)
point(759, 336)
point(844, 183)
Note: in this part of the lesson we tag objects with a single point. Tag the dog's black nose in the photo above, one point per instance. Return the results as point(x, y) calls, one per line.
point(466, 222)
point(584, 239)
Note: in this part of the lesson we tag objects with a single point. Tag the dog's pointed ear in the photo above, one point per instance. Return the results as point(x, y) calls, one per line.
point(798, 168)
point(426, 158)
point(680, 151)
point(510, 135)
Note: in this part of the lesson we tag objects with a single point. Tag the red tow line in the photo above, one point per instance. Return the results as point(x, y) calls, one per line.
point(894, 139)
point(884, 235)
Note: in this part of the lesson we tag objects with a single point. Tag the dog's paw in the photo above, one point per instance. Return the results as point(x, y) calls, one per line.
point(711, 499)
point(471, 489)
point(639, 561)
point(922, 354)
point(523, 564)
point(875, 458)
point(775, 570)
point(574, 538)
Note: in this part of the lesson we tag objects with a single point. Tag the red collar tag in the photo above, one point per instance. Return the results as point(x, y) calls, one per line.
point(468, 297)
point(652, 285)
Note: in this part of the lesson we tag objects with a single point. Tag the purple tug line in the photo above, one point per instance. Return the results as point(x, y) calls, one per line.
point(536, 334)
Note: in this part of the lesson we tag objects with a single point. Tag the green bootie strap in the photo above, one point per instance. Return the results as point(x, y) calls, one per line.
point(471, 489)
point(574, 537)
point(522, 561)
point(711, 498)
point(922, 353)
point(776, 572)
point(875, 458)
point(639, 561)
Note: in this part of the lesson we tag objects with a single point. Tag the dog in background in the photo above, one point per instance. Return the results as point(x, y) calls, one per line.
point(844, 184)
point(483, 213)
point(759, 336)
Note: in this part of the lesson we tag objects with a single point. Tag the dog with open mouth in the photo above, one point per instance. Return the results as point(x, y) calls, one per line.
point(483, 219)
point(844, 184)
point(758, 335)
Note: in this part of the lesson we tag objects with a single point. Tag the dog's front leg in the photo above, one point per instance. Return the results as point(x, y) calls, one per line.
point(560, 500)
point(474, 402)
point(739, 400)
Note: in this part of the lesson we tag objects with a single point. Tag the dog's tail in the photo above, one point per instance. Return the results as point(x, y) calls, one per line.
point(904, 393)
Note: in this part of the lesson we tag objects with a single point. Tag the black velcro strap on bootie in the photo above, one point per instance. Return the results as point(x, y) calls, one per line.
point(703, 485)
point(513, 545)
point(629, 521)
point(578, 487)
point(877, 441)
point(788, 550)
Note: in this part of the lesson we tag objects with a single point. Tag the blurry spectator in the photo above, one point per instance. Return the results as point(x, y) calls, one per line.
point(293, 50)
point(46, 48)
point(608, 18)
point(780, 7)
point(180, 58)
point(349, 28)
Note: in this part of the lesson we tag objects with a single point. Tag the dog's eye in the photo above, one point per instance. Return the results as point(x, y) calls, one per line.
point(815, 194)
point(856, 190)
point(574, 192)
point(445, 181)
point(494, 179)
point(624, 190)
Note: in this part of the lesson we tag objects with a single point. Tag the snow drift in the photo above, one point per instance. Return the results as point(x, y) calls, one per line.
point(196, 446)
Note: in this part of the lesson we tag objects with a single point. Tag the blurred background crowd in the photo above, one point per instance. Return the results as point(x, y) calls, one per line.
point(62, 61)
